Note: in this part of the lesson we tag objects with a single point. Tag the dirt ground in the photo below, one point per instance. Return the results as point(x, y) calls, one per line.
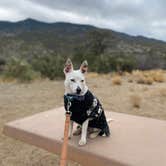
point(20, 100)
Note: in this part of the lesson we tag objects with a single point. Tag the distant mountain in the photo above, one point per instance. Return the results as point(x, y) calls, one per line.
point(31, 25)
point(28, 38)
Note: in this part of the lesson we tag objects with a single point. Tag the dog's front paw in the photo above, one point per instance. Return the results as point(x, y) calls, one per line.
point(82, 142)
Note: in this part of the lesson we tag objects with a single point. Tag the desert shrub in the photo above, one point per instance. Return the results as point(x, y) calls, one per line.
point(130, 80)
point(144, 80)
point(120, 63)
point(158, 76)
point(125, 73)
point(50, 66)
point(135, 101)
point(2, 64)
point(149, 80)
point(136, 73)
point(20, 69)
point(102, 64)
point(101, 61)
point(143, 77)
point(148, 77)
point(111, 63)
point(126, 63)
point(116, 80)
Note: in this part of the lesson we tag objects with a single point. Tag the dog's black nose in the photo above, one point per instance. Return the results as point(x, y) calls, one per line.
point(78, 90)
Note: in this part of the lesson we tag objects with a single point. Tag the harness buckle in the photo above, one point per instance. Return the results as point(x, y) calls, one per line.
point(68, 107)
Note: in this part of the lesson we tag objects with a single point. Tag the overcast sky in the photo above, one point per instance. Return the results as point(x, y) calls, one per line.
point(135, 17)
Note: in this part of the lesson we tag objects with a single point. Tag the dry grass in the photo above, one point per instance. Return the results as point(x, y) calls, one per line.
point(158, 76)
point(141, 79)
point(131, 89)
point(116, 80)
point(92, 75)
point(130, 79)
point(135, 101)
point(145, 89)
point(7, 80)
point(126, 74)
point(162, 92)
point(149, 81)
point(144, 80)
point(148, 77)
point(136, 73)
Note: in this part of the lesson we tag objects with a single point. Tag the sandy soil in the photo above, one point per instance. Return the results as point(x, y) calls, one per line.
point(20, 100)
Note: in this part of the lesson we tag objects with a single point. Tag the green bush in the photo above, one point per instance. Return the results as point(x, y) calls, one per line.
point(2, 64)
point(100, 61)
point(106, 63)
point(125, 63)
point(114, 63)
point(2, 61)
point(20, 69)
point(50, 66)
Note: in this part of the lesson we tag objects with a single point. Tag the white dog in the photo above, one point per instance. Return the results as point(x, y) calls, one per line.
point(85, 107)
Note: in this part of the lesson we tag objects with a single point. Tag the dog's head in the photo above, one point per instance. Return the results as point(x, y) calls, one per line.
point(75, 79)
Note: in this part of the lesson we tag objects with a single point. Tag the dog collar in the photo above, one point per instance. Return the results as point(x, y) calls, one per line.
point(72, 97)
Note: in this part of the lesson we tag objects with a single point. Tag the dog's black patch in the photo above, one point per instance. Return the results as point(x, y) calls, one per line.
point(87, 106)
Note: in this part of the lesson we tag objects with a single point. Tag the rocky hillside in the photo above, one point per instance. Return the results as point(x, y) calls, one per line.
point(30, 38)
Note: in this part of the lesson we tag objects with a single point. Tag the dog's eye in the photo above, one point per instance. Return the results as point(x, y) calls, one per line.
point(82, 80)
point(72, 80)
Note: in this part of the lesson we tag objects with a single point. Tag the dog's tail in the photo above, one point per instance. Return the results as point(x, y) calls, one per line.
point(110, 120)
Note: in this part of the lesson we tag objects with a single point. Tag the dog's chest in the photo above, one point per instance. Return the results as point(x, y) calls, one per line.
point(79, 110)
point(79, 106)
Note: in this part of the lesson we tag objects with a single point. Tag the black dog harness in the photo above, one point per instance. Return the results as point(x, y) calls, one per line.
point(87, 107)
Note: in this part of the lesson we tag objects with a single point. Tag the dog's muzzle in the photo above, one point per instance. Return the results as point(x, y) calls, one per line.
point(78, 90)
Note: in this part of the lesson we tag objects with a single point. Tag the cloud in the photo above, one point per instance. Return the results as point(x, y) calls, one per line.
point(6, 14)
point(135, 17)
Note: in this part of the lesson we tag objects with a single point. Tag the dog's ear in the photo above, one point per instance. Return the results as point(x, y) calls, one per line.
point(84, 67)
point(68, 66)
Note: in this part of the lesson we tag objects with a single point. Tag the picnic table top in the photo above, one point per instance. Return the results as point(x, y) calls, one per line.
point(134, 141)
